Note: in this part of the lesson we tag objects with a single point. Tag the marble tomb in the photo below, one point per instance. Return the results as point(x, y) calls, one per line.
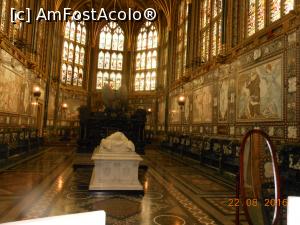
point(116, 165)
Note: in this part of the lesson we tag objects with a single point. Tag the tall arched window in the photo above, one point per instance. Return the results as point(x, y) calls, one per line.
point(11, 29)
point(182, 30)
point(146, 58)
point(258, 9)
point(3, 18)
point(110, 56)
point(73, 56)
point(256, 16)
point(211, 28)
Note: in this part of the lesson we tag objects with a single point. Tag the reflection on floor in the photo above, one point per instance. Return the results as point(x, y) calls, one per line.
point(177, 192)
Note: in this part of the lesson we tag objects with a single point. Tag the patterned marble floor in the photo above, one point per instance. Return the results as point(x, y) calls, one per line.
point(177, 192)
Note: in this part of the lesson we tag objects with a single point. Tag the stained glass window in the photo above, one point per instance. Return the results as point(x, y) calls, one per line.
point(73, 56)
point(214, 42)
point(71, 52)
point(72, 31)
point(75, 77)
point(275, 8)
point(110, 57)
point(67, 30)
point(101, 60)
point(77, 52)
point(181, 48)
point(211, 28)
point(261, 14)
point(120, 61)
point(142, 82)
point(64, 71)
point(80, 77)
point(146, 58)
point(251, 17)
point(137, 82)
point(78, 34)
point(288, 6)
point(138, 62)
point(69, 74)
point(257, 11)
point(99, 80)
point(81, 56)
point(118, 80)
point(4, 11)
point(13, 28)
point(66, 50)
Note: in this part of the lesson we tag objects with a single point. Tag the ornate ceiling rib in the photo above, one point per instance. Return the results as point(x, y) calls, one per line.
point(167, 6)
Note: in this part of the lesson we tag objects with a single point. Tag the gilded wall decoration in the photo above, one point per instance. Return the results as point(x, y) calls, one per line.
point(259, 92)
point(174, 110)
point(223, 100)
point(188, 93)
point(51, 105)
point(25, 98)
point(10, 91)
point(292, 38)
point(161, 112)
point(292, 84)
point(187, 109)
point(72, 112)
point(292, 132)
point(202, 105)
point(291, 62)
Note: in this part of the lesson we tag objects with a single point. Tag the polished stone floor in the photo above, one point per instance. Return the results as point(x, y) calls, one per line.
point(178, 191)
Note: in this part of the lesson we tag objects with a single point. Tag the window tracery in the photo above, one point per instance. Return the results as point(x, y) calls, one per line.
point(181, 48)
point(258, 9)
point(211, 28)
point(73, 56)
point(146, 58)
point(110, 57)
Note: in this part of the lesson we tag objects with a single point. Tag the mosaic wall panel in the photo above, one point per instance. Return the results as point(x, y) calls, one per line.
point(174, 113)
point(223, 100)
point(259, 88)
point(202, 105)
point(188, 106)
point(51, 104)
point(14, 92)
point(161, 112)
point(259, 92)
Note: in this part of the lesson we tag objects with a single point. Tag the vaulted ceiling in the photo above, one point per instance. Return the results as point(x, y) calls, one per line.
point(165, 6)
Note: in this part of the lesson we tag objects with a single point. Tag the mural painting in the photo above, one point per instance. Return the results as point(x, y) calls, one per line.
point(259, 92)
point(223, 100)
point(202, 105)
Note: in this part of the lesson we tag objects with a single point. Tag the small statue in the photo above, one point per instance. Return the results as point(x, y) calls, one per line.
point(117, 142)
